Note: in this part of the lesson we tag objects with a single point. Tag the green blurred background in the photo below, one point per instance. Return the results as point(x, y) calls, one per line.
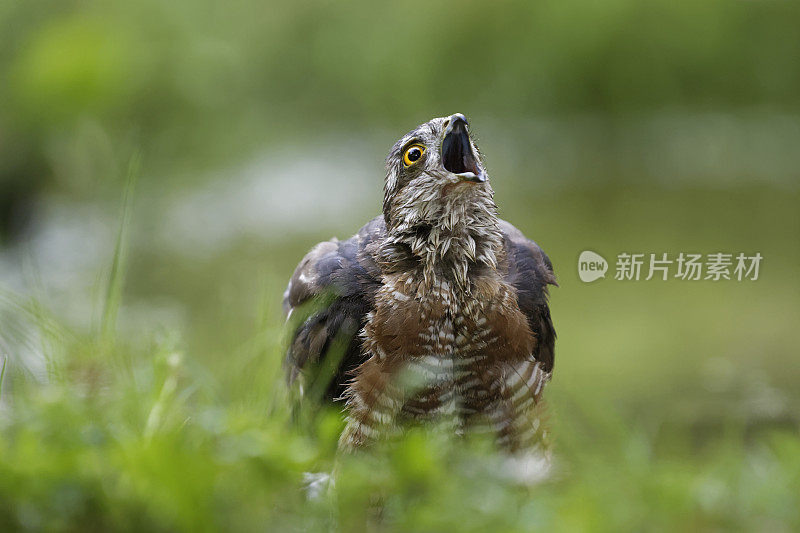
point(142, 343)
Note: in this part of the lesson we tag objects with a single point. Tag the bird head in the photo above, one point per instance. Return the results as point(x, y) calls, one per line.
point(434, 174)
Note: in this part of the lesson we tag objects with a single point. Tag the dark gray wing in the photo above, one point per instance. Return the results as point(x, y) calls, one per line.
point(327, 300)
point(529, 272)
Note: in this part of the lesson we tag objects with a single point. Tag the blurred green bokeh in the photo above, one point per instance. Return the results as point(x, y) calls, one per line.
point(261, 128)
point(191, 83)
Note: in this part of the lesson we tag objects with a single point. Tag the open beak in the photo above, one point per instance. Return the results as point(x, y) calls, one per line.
point(458, 156)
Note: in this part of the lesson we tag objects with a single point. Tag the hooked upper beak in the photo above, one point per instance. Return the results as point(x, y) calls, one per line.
point(458, 155)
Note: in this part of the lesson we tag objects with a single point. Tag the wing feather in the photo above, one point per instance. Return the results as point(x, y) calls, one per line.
point(530, 272)
point(327, 301)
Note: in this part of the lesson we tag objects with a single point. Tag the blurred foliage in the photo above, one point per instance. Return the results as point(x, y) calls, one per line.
point(184, 78)
point(617, 126)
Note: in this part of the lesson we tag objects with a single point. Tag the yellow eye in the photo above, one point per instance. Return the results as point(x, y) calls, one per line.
point(413, 154)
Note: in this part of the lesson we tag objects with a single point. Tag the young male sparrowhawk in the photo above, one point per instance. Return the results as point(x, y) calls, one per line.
point(435, 310)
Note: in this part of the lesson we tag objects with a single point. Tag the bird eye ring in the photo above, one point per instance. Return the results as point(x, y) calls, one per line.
point(413, 154)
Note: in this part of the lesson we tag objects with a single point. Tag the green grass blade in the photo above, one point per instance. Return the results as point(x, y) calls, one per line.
point(2, 375)
point(113, 297)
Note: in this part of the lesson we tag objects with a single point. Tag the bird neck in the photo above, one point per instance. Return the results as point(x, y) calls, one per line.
point(461, 241)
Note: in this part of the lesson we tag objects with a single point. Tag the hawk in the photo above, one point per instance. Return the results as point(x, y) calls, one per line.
point(435, 310)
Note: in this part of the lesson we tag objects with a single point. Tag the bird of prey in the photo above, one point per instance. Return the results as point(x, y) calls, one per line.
point(435, 310)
